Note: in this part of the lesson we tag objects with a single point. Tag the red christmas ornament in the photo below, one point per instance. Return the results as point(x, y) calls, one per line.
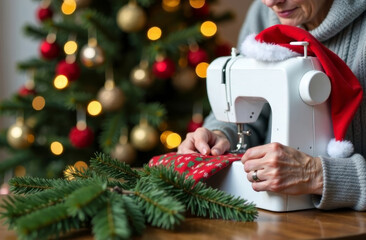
point(223, 49)
point(192, 126)
point(70, 70)
point(163, 69)
point(24, 91)
point(196, 57)
point(49, 50)
point(81, 138)
point(44, 13)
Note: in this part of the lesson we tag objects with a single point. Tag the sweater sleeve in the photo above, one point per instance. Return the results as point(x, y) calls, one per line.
point(344, 184)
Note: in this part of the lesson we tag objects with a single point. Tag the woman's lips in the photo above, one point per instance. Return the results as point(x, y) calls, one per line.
point(286, 13)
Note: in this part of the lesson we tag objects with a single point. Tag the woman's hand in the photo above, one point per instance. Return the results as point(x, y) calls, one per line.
point(205, 142)
point(283, 169)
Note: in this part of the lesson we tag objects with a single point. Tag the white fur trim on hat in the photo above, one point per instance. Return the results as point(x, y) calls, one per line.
point(339, 149)
point(264, 51)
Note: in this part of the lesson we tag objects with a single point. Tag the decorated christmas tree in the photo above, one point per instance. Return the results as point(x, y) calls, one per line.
point(122, 77)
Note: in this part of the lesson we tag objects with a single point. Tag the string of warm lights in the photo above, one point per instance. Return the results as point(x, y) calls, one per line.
point(57, 148)
point(168, 138)
point(94, 108)
point(68, 7)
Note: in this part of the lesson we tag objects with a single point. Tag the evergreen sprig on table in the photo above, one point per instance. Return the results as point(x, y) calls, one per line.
point(114, 200)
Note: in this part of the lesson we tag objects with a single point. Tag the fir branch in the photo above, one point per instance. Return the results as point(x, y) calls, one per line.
point(86, 201)
point(110, 222)
point(111, 183)
point(180, 37)
point(154, 113)
point(15, 105)
point(75, 98)
point(160, 209)
point(111, 131)
point(46, 223)
point(134, 214)
point(104, 25)
point(171, 43)
point(35, 32)
point(201, 199)
point(83, 174)
point(70, 27)
point(9, 205)
point(20, 206)
point(71, 172)
point(31, 185)
point(33, 63)
point(113, 168)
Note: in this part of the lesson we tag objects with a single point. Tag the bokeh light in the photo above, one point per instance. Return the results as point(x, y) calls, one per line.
point(170, 5)
point(197, 3)
point(201, 69)
point(57, 148)
point(164, 135)
point(154, 33)
point(81, 166)
point(81, 125)
point(94, 108)
point(20, 171)
point(70, 47)
point(68, 7)
point(60, 82)
point(173, 140)
point(38, 103)
point(208, 28)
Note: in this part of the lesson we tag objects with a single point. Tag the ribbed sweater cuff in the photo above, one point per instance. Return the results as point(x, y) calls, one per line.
point(341, 184)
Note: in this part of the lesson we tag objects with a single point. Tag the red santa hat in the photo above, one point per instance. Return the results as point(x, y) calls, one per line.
point(273, 44)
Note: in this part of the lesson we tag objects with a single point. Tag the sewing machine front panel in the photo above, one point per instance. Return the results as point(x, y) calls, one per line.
point(251, 83)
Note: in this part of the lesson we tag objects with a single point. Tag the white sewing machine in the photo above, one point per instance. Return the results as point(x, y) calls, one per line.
point(296, 90)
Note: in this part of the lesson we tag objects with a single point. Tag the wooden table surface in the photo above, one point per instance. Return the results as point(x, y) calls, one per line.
point(307, 224)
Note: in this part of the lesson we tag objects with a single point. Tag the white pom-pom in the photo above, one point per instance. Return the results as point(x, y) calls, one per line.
point(339, 149)
point(264, 51)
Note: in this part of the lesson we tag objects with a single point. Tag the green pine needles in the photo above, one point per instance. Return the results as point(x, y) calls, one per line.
point(114, 201)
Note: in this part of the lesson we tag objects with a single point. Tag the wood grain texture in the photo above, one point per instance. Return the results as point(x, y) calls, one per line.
point(308, 224)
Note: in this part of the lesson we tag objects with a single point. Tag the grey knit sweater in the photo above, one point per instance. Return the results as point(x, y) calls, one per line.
point(344, 32)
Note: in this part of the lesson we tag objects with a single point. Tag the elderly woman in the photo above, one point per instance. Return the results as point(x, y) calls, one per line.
point(334, 182)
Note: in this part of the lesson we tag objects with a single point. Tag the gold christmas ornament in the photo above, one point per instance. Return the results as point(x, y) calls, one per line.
point(185, 79)
point(140, 75)
point(131, 17)
point(19, 135)
point(82, 3)
point(111, 99)
point(91, 55)
point(124, 152)
point(144, 137)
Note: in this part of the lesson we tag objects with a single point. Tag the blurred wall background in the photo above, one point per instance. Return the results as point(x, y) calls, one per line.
point(230, 30)
point(14, 46)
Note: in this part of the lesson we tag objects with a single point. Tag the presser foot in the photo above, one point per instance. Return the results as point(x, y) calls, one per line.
point(241, 147)
point(240, 150)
